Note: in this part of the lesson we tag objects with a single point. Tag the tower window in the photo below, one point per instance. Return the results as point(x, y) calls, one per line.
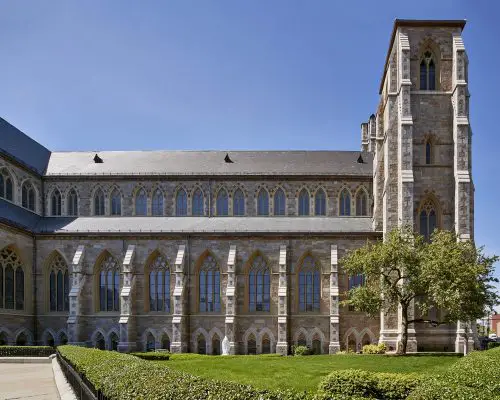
point(427, 72)
point(428, 153)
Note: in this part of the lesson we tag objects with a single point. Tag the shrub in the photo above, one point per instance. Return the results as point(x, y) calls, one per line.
point(153, 356)
point(374, 348)
point(26, 351)
point(475, 376)
point(352, 383)
point(492, 345)
point(347, 383)
point(301, 351)
point(125, 377)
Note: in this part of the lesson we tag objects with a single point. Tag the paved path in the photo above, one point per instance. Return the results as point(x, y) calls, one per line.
point(27, 381)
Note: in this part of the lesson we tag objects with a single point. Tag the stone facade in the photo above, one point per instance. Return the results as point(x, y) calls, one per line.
point(420, 143)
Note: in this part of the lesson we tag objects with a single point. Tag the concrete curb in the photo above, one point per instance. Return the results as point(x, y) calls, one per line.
point(25, 360)
point(63, 387)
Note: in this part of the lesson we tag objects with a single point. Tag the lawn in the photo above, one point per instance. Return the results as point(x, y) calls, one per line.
point(299, 373)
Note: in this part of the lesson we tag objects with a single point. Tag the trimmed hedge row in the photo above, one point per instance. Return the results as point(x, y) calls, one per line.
point(476, 376)
point(492, 345)
point(125, 377)
point(26, 351)
point(153, 356)
point(355, 383)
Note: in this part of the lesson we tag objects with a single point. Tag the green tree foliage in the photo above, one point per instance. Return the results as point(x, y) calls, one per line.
point(404, 270)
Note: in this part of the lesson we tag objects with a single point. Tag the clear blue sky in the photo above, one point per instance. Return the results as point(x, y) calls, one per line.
point(229, 74)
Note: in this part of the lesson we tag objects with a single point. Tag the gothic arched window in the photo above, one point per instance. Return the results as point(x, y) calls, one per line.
point(427, 219)
point(361, 203)
point(72, 205)
point(159, 285)
point(109, 284)
point(6, 185)
point(28, 196)
point(304, 202)
point(309, 285)
point(238, 203)
point(259, 286)
point(279, 202)
point(55, 202)
point(11, 280)
point(157, 203)
point(58, 285)
point(197, 205)
point(99, 202)
point(209, 286)
point(263, 202)
point(320, 203)
point(181, 203)
point(345, 203)
point(222, 203)
point(427, 72)
point(116, 202)
point(141, 203)
point(428, 152)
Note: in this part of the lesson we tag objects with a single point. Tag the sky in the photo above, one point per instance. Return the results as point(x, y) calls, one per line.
point(209, 74)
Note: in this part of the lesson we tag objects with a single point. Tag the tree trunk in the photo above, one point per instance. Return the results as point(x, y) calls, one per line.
point(404, 326)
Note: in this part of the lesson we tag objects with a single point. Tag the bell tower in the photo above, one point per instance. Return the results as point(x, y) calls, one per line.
point(421, 141)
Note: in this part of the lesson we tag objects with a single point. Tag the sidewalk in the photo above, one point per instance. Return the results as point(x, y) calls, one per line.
point(27, 381)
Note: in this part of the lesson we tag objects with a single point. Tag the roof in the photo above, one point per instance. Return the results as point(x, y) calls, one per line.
point(14, 215)
point(217, 225)
point(18, 216)
point(450, 23)
point(210, 163)
point(22, 148)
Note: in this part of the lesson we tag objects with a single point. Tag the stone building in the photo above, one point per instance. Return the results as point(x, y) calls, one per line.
point(179, 249)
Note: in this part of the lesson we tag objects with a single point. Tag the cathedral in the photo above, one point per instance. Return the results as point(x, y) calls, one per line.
point(143, 250)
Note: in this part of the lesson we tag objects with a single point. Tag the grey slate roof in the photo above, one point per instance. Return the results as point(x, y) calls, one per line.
point(22, 218)
point(211, 163)
point(22, 148)
point(303, 225)
point(18, 216)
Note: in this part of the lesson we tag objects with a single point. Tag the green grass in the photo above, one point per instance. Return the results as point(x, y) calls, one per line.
point(299, 373)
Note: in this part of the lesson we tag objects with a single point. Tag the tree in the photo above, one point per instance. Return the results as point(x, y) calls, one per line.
point(405, 270)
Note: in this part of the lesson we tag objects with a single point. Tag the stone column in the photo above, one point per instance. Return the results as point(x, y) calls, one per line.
point(128, 333)
point(75, 297)
point(334, 302)
point(282, 345)
point(179, 345)
point(231, 299)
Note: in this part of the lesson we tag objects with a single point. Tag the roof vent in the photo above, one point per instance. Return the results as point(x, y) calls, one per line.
point(360, 159)
point(97, 159)
point(228, 159)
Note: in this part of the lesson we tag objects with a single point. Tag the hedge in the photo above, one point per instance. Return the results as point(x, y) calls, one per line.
point(153, 356)
point(492, 345)
point(125, 377)
point(476, 376)
point(355, 383)
point(26, 351)
point(380, 348)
